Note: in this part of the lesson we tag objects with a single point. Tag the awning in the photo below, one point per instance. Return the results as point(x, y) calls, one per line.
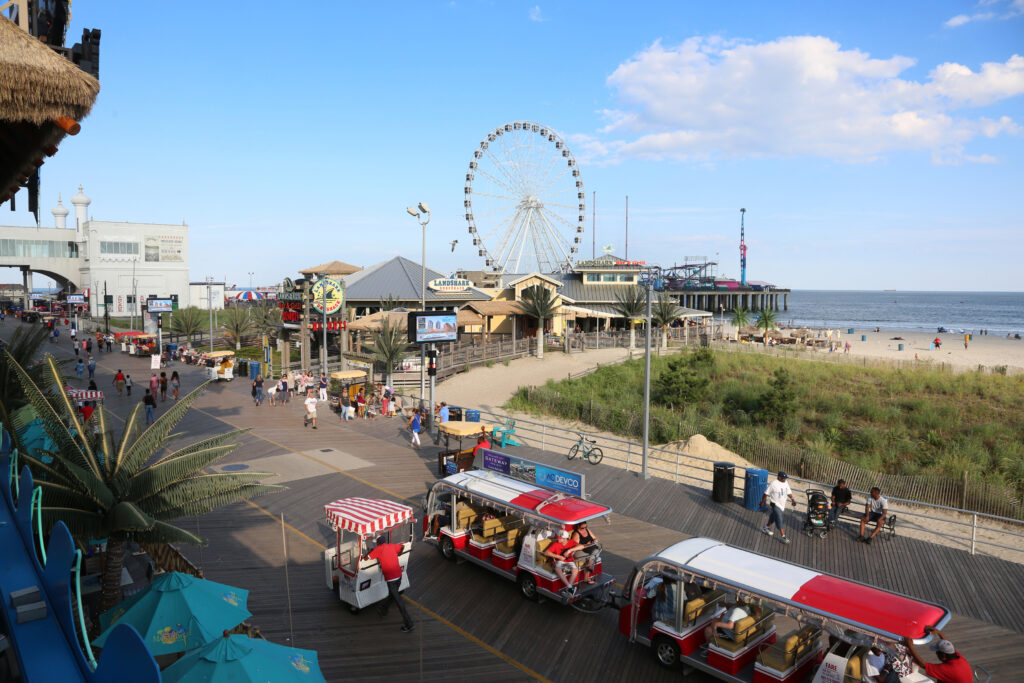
point(491, 308)
point(366, 515)
point(582, 312)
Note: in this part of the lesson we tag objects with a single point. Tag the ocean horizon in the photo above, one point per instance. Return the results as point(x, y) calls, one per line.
point(998, 312)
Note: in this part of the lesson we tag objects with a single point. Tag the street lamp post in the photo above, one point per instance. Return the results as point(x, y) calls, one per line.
point(416, 212)
point(647, 382)
point(721, 321)
point(209, 305)
point(250, 280)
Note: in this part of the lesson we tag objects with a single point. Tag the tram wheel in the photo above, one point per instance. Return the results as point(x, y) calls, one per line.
point(354, 610)
point(666, 651)
point(527, 585)
point(447, 547)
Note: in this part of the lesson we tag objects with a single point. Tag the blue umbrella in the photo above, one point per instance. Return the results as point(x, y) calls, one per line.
point(178, 612)
point(237, 658)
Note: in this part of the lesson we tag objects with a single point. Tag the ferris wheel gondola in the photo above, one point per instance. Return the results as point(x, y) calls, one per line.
point(524, 200)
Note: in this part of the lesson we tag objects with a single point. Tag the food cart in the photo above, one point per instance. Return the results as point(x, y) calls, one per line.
point(350, 381)
point(357, 578)
point(220, 365)
point(456, 430)
point(127, 340)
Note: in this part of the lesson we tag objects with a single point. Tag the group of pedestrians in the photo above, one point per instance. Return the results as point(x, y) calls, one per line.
point(286, 386)
point(778, 492)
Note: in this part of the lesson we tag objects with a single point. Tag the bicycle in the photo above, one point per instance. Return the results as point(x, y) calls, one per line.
point(590, 451)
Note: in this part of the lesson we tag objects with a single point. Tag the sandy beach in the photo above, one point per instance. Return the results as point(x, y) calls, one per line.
point(990, 351)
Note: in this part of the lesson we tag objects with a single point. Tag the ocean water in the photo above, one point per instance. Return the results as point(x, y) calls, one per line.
point(999, 312)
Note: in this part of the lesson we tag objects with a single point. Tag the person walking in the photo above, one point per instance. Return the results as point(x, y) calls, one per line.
point(323, 387)
point(74, 335)
point(80, 368)
point(163, 387)
point(414, 426)
point(310, 404)
point(777, 492)
point(92, 368)
point(282, 389)
point(175, 384)
point(88, 344)
point(387, 555)
point(119, 383)
point(128, 385)
point(149, 400)
point(154, 384)
point(257, 390)
point(110, 342)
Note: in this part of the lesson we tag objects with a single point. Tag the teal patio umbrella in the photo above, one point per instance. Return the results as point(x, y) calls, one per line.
point(238, 659)
point(178, 612)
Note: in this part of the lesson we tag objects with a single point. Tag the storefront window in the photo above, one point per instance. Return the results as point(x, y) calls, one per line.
point(119, 248)
point(38, 249)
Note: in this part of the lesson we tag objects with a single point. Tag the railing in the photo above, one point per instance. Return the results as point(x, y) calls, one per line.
point(681, 467)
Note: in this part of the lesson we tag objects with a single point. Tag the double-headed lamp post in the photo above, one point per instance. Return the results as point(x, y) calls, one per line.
point(416, 212)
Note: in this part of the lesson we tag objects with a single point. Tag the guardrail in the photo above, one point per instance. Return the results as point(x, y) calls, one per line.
point(681, 467)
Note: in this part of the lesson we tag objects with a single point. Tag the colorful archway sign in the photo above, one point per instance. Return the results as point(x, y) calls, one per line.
point(327, 294)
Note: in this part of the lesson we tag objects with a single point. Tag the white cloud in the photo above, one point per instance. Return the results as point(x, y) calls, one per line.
point(1010, 9)
point(536, 14)
point(708, 98)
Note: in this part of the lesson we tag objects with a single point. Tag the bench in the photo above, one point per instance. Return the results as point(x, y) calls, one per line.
point(854, 511)
point(793, 648)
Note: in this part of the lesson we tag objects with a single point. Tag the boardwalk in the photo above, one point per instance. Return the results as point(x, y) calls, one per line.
point(472, 624)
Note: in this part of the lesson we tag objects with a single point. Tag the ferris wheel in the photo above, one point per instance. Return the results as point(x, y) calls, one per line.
point(525, 204)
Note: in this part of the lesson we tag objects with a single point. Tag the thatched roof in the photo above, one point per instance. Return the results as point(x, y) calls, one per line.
point(36, 84)
point(332, 268)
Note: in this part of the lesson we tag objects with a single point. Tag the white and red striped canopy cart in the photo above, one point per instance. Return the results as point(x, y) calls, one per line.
point(358, 579)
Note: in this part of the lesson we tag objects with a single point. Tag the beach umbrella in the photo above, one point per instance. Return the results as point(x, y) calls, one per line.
point(178, 612)
point(248, 295)
point(238, 658)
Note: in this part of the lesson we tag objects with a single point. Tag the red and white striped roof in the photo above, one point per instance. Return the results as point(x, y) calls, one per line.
point(365, 515)
point(554, 506)
point(875, 609)
point(85, 394)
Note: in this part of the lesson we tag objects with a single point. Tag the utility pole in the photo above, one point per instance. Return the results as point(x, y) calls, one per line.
point(209, 305)
point(627, 227)
point(593, 229)
point(647, 383)
point(304, 354)
point(106, 309)
point(743, 252)
point(323, 351)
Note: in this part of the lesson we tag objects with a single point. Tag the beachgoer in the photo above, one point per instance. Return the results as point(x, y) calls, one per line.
point(346, 405)
point(163, 387)
point(414, 426)
point(777, 492)
point(387, 555)
point(559, 551)
point(724, 626)
point(80, 368)
point(149, 400)
point(952, 666)
point(154, 384)
point(841, 498)
point(310, 416)
point(119, 382)
point(323, 386)
point(361, 403)
point(587, 541)
point(92, 368)
point(128, 385)
point(175, 384)
point(257, 390)
point(875, 510)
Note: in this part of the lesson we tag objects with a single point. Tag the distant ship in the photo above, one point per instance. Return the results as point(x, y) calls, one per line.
point(889, 290)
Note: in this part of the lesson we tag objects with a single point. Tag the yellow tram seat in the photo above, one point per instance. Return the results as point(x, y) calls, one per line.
point(790, 649)
point(693, 608)
point(544, 562)
point(508, 544)
point(747, 629)
point(854, 668)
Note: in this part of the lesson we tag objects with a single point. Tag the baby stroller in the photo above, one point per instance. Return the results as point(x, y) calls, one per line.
point(818, 520)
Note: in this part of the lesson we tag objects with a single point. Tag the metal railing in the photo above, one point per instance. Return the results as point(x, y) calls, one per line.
point(681, 467)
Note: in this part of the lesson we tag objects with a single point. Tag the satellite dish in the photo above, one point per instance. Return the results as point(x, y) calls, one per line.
point(608, 248)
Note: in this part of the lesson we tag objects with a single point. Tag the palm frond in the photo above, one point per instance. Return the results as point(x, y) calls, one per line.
point(175, 468)
point(204, 505)
point(538, 302)
point(162, 532)
point(105, 442)
point(68, 494)
point(76, 450)
point(631, 304)
point(83, 524)
point(196, 488)
point(152, 439)
point(131, 427)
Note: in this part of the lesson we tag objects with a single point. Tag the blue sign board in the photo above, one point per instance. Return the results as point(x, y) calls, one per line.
point(534, 472)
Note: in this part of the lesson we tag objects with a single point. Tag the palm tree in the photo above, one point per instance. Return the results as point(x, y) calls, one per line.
point(740, 318)
point(266, 317)
point(766, 321)
point(122, 490)
point(389, 304)
point(538, 302)
point(188, 322)
point(664, 312)
point(631, 305)
point(236, 322)
point(389, 343)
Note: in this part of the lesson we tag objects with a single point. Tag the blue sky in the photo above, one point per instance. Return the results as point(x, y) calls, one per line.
point(874, 144)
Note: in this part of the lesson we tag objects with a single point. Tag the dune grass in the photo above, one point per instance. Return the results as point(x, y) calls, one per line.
point(890, 420)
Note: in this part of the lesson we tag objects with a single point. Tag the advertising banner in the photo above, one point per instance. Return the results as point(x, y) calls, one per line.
point(449, 284)
point(534, 472)
point(160, 305)
point(326, 296)
point(164, 248)
point(432, 326)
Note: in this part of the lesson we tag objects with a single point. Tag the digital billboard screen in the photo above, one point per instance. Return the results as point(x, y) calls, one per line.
point(432, 326)
point(160, 305)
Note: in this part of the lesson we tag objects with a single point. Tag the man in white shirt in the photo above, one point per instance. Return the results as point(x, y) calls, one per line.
point(777, 493)
point(726, 625)
point(874, 665)
point(310, 415)
point(876, 510)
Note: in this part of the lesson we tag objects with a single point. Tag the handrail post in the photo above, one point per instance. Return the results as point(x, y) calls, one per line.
point(543, 437)
point(974, 531)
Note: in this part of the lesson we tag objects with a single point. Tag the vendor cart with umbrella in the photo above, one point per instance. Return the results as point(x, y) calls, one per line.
point(241, 659)
point(220, 365)
point(357, 578)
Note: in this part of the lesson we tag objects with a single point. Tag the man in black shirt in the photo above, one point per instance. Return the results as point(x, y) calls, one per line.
point(841, 497)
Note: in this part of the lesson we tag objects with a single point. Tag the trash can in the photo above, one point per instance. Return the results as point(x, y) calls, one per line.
point(254, 369)
point(243, 368)
point(900, 348)
point(721, 488)
point(455, 413)
point(754, 486)
point(863, 337)
point(472, 415)
point(849, 331)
